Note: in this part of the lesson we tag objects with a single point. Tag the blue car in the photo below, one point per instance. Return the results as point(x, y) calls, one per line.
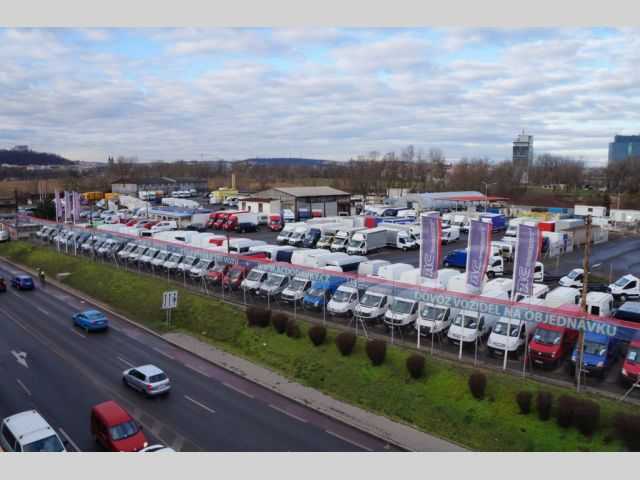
point(90, 320)
point(23, 282)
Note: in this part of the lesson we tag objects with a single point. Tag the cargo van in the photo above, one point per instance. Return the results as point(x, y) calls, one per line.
point(320, 292)
point(172, 261)
point(297, 237)
point(343, 237)
point(274, 285)
point(295, 290)
point(344, 300)
point(253, 280)
point(626, 287)
point(402, 313)
point(28, 432)
point(367, 241)
point(630, 371)
point(373, 305)
point(287, 231)
point(434, 318)
point(470, 325)
point(573, 278)
point(600, 352)
point(551, 343)
point(242, 245)
point(450, 235)
point(519, 331)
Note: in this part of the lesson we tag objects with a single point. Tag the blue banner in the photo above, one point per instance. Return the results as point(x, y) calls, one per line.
point(430, 241)
point(478, 253)
point(527, 249)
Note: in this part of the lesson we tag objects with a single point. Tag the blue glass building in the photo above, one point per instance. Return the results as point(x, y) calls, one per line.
point(624, 146)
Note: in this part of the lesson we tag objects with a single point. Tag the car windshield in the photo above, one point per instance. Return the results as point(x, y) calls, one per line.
point(547, 337)
point(501, 329)
point(255, 275)
point(162, 256)
point(595, 348)
point(371, 300)
point(158, 377)
point(316, 292)
point(356, 243)
point(466, 321)
point(621, 282)
point(573, 274)
point(48, 444)
point(274, 280)
point(402, 306)
point(342, 296)
point(433, 313)
point(298, 284)
point(632, 355)
point(123, 430)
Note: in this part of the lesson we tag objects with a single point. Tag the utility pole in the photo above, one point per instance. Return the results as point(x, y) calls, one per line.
point(15, 196)
point(583, 299)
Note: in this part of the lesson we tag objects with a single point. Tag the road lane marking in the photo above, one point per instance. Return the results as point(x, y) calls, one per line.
point(201, 405)
point(42, 311)
point(21, 358)
point(78, 333)
point(288, 414)
point(161, 352)
point(68, 439)
point(126, 362)
point(344, 439)
point(24, 387)
point(197, 369)
point(236, 389)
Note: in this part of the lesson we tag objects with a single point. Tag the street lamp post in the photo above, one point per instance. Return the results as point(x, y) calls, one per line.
point(486, 194)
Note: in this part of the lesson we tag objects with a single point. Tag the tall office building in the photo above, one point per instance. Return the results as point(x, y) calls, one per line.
point(623, 147)
point(522, 157)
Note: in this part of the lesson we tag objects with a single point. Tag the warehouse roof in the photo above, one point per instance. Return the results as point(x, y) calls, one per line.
point(310, 191)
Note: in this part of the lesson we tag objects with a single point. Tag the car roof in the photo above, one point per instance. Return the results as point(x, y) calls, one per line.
point(92, 312)
point(112, 412)
point(23, 277)
point(149, 370)
point(29, 426)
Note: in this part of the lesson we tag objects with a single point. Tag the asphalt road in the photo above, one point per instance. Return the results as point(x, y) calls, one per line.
point(66, 371)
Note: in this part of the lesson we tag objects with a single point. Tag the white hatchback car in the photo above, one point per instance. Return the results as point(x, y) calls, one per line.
point(28, 432)
point(148, 379)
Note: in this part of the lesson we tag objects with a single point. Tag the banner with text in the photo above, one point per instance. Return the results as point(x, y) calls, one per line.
point(478, 253)
point(525, 260)
point(430, 243)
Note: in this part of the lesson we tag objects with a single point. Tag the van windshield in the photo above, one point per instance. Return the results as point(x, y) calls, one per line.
point(595, 348)
point(466, 321)
point(621, 282)
point(402, 306)
point(370, 300)
point(298, 284)
point(233, 274)
point(274, 280)
point(632, 355)
point(316, 292)
point(342, 296)
point(48, 444)
point(175, 257)
point(255, 275)
point(547, 337)
point(573, 274)
point(501, 329)
point(429, 312)
point(123, 430)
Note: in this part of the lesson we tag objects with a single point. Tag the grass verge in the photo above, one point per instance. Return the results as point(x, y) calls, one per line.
point(440, 403)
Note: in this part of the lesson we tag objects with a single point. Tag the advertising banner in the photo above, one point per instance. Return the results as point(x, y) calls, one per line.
point(67, 206)
point(478, 254)
point(527, 249)
point(58, 205)
point(430, 245)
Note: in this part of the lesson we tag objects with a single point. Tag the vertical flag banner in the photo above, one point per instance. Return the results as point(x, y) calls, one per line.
point(478, 254)
point(76, 207)
point(58, 205)
point(67, 206)
point(527, 250)
point(430, 245)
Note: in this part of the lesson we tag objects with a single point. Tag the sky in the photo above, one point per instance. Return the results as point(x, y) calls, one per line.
point(168, 94)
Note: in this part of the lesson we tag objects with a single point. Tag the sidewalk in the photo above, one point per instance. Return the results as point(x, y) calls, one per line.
point(379, 426)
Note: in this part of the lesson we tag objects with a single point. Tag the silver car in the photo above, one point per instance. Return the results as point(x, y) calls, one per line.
point(147, 379)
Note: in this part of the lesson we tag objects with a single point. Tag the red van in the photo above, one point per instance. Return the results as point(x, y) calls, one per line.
point(631, 367)
point(115, 429)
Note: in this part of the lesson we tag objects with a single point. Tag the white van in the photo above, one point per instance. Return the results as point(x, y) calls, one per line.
point(560, 296)
point(540, 291)
point(344, 300)
point(295, 290)
point(274, 285)
point(371, 267)
point(254, 279)
point(28, 432)
point(373, 305)
point(450, 235)
point(519, 331)
point(402, 312)
point(626, 287)
point(600, 304)
point(469, 326)
point(572, 279)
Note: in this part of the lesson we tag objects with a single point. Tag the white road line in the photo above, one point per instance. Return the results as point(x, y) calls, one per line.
point(42, 310)
point(288, 414)
point(199, 404)
point(24, 387)
point(126, 362)
point(236, 389)
point(348, 441)
point(68, 439)
point(161, 352)
point(78, 333)
point(199, 370)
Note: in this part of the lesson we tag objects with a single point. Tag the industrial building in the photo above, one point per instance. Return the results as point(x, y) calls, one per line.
point(267, 206)
point(305, 202)
point(158, 184)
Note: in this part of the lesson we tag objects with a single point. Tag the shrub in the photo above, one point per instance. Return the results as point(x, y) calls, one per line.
point(258, 316)
point(318, 334)
point(376, 351)
point(478, 384)
point(415, 365)
point(566, 407)
point(544, 401)
point(523, 398)
point(587, 416)
point(627, 428)
point(345, 342)
point(280, 321)
point(293, 329)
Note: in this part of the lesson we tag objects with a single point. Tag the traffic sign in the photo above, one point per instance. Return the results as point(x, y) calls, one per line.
point(169, 299)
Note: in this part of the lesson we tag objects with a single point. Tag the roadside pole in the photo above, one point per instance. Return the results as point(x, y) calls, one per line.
point(583, 300)
point(512, 299)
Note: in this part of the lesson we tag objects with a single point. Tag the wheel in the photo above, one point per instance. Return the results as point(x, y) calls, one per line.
point(445, 264)
point(124, 382)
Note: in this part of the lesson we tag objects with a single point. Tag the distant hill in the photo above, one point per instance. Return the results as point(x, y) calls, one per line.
point(282, 162)
point(15, 157)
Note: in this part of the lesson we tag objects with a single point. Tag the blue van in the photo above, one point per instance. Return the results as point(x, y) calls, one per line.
point(457, 258)
point(600, 352)
point(320, 293)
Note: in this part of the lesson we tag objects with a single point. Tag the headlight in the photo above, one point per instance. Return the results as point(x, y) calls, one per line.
point(553, 355)
point(600, 364)
point(624, 372)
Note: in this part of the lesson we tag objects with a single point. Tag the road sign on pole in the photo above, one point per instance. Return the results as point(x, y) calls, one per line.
point(169, 299)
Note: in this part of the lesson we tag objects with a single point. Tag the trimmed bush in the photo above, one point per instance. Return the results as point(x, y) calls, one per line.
point(258, 316)
point(415, 365)
point(317, 334)
point(587, 417)
point(279, 321)
point(544, 402)
point(376, 351)
point(627, 428)
point(345, 342)
point(293, 329)
point(523, 398)
point(566, 408)
point(477, 384)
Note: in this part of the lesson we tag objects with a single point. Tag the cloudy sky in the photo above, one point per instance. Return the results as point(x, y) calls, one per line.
point(318, 93)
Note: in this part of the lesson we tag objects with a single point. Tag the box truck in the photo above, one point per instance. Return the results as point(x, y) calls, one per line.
point(320, 232)
point(371, 267)
point(367, 241)
point(343, 237)
point(497, 220)
point(399, 236)
point(287, 231)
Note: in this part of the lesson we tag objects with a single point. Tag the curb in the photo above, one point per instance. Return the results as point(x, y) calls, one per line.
point(327, 412)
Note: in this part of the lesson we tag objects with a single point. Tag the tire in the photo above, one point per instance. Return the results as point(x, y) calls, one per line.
point(124, 382)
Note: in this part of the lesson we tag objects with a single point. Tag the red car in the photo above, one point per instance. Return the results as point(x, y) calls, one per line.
point(550, 344)
point(631, 366)
point(233, 278)
point(115, 429)
point(217, 273)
